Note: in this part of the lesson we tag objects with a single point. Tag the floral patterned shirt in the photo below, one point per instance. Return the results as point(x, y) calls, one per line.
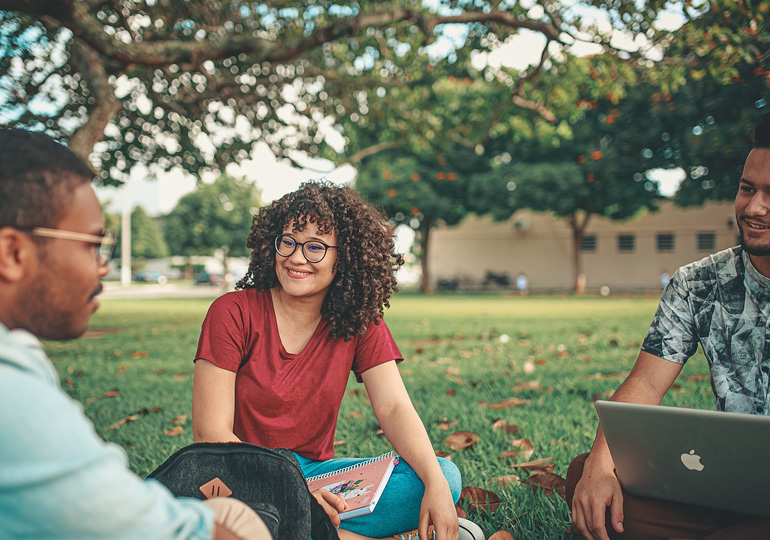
point(723, 303)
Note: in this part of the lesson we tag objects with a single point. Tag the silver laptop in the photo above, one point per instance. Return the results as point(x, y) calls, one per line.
point(709, 458)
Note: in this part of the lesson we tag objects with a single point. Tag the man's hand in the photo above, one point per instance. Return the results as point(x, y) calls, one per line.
point(593, 494)
point(331, 503)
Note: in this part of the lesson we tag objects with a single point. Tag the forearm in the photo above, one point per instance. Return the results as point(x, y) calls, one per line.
point(404, 429)
point(213, 434)
point(647, 383)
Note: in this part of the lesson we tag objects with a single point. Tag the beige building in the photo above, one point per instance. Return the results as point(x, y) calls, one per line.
point(629, 255)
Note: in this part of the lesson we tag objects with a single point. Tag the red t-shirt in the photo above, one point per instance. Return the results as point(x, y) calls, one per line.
point(282, 399)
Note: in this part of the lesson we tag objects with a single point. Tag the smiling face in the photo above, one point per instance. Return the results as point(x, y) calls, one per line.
point(752, 207)
point(300, 278)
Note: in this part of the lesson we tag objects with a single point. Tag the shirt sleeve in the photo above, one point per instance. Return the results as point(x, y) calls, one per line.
point(672, 335)
point(58, 479)
point(222, 341)
point(375, 347)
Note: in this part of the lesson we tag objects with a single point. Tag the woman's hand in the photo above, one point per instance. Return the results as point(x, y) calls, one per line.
point(331, 503)
point(437, 509)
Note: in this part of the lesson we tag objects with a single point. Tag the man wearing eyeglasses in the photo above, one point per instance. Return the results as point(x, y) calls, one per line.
point(57, 478)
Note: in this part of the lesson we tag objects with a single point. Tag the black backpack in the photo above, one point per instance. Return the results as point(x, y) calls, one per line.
point(269, 481)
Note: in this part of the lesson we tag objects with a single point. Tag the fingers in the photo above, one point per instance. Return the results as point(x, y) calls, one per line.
point(335, 501)
point(590, 520)
point(331, 503)
point(422, 527)
point(616, 513)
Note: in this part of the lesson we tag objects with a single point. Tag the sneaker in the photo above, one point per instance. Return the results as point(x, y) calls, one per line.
point(469, 530)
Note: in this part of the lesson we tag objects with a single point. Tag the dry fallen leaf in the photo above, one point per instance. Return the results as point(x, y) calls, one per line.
point(179, 419)
point(445, 455)
point(697, 377)
point(451, 391)
point(510, 402)
point(529, 385)
point(501, 535)
point(338, 443)
point(550, 483)
point(140, 354)
point(540, 465)
point(124, 421)
point(446, 425)
point(461, 440)
point(480, 499)
point(525, 447)
point(452, 370)
point(460, 512)
point(541, 361)
point(509, 429)
point(506, 480)
point(157, 409)
point(173, 432)
point(111, 393)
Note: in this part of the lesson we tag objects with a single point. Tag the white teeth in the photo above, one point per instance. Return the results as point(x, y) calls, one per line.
point(757, 225)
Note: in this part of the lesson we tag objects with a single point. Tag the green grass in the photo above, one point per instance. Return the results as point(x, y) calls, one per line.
point(460, 353)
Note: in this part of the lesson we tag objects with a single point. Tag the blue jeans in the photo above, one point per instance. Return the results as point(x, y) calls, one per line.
point(398, 509)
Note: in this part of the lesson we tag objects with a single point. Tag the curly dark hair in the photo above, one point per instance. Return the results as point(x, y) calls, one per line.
point(366, 257)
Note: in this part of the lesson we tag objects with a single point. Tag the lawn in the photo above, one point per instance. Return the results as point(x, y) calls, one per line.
point(464, 355)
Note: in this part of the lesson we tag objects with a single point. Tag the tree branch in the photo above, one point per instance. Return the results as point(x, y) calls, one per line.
point(79, 18)
point(371, 150)
point(106, 105)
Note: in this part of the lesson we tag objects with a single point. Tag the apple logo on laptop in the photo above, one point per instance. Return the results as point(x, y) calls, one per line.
point(692, 461)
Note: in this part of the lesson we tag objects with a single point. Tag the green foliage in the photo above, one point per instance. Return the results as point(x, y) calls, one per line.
point(412, 190)
point(215, 215)
point(146, 238)
point(461, 353)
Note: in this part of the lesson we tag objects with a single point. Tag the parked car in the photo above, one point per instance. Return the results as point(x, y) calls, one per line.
point(208, 278)
point(150, 276)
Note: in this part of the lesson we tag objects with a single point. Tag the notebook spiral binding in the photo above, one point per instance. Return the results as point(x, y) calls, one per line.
point(383, 457)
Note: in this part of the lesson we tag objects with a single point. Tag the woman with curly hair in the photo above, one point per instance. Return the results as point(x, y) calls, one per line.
point(274, 356)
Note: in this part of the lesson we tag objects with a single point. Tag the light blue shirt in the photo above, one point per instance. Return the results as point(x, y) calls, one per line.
point(58, 479)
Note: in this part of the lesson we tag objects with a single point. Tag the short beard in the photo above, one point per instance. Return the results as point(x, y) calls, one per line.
point(757, 250)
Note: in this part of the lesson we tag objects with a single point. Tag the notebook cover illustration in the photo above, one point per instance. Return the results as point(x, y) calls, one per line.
point(360, 485)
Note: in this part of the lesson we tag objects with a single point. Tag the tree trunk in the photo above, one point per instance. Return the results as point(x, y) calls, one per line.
point(578, 227)
point(425, 228)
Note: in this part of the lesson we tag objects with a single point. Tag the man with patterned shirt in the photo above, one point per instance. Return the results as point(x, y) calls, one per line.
point(723, 303)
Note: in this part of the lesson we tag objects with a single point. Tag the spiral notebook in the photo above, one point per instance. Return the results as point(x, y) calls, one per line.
point(360, 485)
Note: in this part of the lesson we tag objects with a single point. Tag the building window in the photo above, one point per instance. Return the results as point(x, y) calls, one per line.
point(665, 242)
point(707, 241)
point(626, 242)
point(588, 243)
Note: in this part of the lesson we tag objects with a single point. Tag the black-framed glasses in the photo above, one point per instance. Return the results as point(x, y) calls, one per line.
point(313, 250)
point(104, 242)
